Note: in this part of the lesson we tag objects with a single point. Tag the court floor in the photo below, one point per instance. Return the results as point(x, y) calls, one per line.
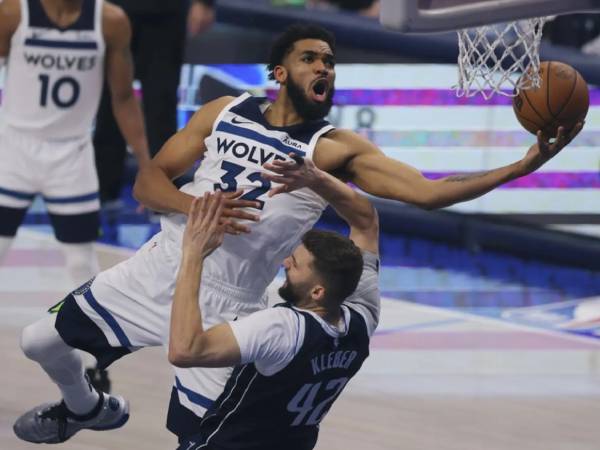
point(438, 377)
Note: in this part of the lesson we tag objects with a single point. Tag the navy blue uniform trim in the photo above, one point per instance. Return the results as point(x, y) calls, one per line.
point(73, 45)
point(251, 134)
point(108, 318)
point(17, 194)
point(79, 331)
point(73, 199)
point(39, 19)
point(303, 132)
point(192, 396)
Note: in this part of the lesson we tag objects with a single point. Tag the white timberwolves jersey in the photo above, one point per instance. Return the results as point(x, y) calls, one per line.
point(54, 76)
point(240, 143)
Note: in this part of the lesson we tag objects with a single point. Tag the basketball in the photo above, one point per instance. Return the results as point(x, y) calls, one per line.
point(561, 100)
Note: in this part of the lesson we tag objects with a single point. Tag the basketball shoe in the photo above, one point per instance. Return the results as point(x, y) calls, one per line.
point(52, 423)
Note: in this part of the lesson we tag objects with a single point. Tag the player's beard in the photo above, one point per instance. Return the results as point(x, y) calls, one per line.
point(288, 293)
point(306, 108)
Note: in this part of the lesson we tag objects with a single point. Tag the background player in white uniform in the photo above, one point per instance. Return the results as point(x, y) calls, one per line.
point(127, 307)
point(57, 52)
point(292, 362)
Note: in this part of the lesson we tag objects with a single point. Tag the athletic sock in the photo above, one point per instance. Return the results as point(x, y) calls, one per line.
point(41, 342)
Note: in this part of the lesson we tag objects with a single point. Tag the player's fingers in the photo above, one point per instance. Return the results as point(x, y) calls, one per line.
point(280, 167)
point(575, 130)
point(277, 190)
point(233, 194)
point(236, 228)
point(282, 179)
point(239, 214)
point(241, 204)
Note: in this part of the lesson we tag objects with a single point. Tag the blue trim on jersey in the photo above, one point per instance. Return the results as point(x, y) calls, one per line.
point(110, 320)
point(73, 199)
point(74, 45)
point(17, 194)
point(256, 136)
point(192, 396)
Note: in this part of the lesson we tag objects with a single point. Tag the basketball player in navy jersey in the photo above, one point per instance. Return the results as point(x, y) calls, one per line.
point(128, 307)
point(56, 54)
point(292, 361)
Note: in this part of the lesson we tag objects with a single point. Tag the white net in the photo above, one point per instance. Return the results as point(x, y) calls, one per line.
point(492, 58)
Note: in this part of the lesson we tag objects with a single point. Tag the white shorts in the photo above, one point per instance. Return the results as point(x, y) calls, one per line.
point(131, 304)
point(62, 172)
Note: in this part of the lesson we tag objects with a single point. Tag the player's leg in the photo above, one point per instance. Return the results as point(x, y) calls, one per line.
point(17, 186)
point(81, 406)
point(110, 150)
point(195, 389)
point(11, 220)
point(158, 67)
point(121, 310)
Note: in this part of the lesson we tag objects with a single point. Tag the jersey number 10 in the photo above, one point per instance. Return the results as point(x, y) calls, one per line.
point(64, 92)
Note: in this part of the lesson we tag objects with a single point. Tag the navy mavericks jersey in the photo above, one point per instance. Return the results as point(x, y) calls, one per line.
point(283, 411)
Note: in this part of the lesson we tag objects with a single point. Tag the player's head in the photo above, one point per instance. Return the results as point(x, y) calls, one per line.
point(324, 269)
point(302, 61)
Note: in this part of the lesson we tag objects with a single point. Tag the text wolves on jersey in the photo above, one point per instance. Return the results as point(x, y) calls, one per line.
point(60, 62)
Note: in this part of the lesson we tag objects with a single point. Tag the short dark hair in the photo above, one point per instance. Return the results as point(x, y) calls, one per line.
point(337, 261)
point(284, 43)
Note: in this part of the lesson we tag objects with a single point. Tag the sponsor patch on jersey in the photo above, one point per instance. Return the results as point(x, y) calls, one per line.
point(83, 288)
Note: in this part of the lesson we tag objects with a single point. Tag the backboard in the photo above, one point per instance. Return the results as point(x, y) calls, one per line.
point(429, 16)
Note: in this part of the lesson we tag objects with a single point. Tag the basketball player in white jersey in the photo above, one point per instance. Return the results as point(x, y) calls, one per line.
point(127, 307)
point(56, 54)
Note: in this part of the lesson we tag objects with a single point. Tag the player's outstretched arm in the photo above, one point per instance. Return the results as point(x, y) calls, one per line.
point(351, 206)
point(365, 165)
point(119, 74)
point(189, 344)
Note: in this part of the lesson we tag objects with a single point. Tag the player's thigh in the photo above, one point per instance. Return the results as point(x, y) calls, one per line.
point(19, 179)
point(131, 302)
point(70, 190)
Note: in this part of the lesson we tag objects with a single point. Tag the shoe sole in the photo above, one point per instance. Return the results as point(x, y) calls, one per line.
point(119, 423)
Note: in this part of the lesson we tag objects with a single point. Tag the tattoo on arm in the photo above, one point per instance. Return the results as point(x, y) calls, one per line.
point(466, 176)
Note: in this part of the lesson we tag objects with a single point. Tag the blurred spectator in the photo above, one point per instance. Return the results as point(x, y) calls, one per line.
point(573, 30)
point(158, 40)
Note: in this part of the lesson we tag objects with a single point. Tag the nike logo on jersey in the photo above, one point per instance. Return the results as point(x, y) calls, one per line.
point(238, 122)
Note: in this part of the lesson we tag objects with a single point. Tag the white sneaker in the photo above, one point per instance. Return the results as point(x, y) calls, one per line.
point(52, 423)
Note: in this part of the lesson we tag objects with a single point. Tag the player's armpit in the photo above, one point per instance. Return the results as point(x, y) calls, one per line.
point(216, 347)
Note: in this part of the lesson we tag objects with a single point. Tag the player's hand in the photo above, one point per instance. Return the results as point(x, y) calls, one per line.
point(543, 150)
point(205, 226)
point(291, 175)
point(232, 212)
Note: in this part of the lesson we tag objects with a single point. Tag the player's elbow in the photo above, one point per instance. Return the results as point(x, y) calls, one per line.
point(179, 357)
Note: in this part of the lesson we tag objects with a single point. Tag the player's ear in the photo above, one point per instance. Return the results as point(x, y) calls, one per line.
point(317, 293)
point(280, 74)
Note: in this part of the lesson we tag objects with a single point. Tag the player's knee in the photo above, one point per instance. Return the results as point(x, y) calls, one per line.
point(34, 342)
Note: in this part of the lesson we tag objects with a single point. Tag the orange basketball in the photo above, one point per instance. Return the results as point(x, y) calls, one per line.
point(561, 100)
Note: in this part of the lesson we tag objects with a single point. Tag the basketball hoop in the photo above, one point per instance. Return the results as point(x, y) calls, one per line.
point(492, 58)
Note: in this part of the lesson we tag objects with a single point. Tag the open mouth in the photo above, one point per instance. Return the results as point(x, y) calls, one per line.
point(319, 90)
